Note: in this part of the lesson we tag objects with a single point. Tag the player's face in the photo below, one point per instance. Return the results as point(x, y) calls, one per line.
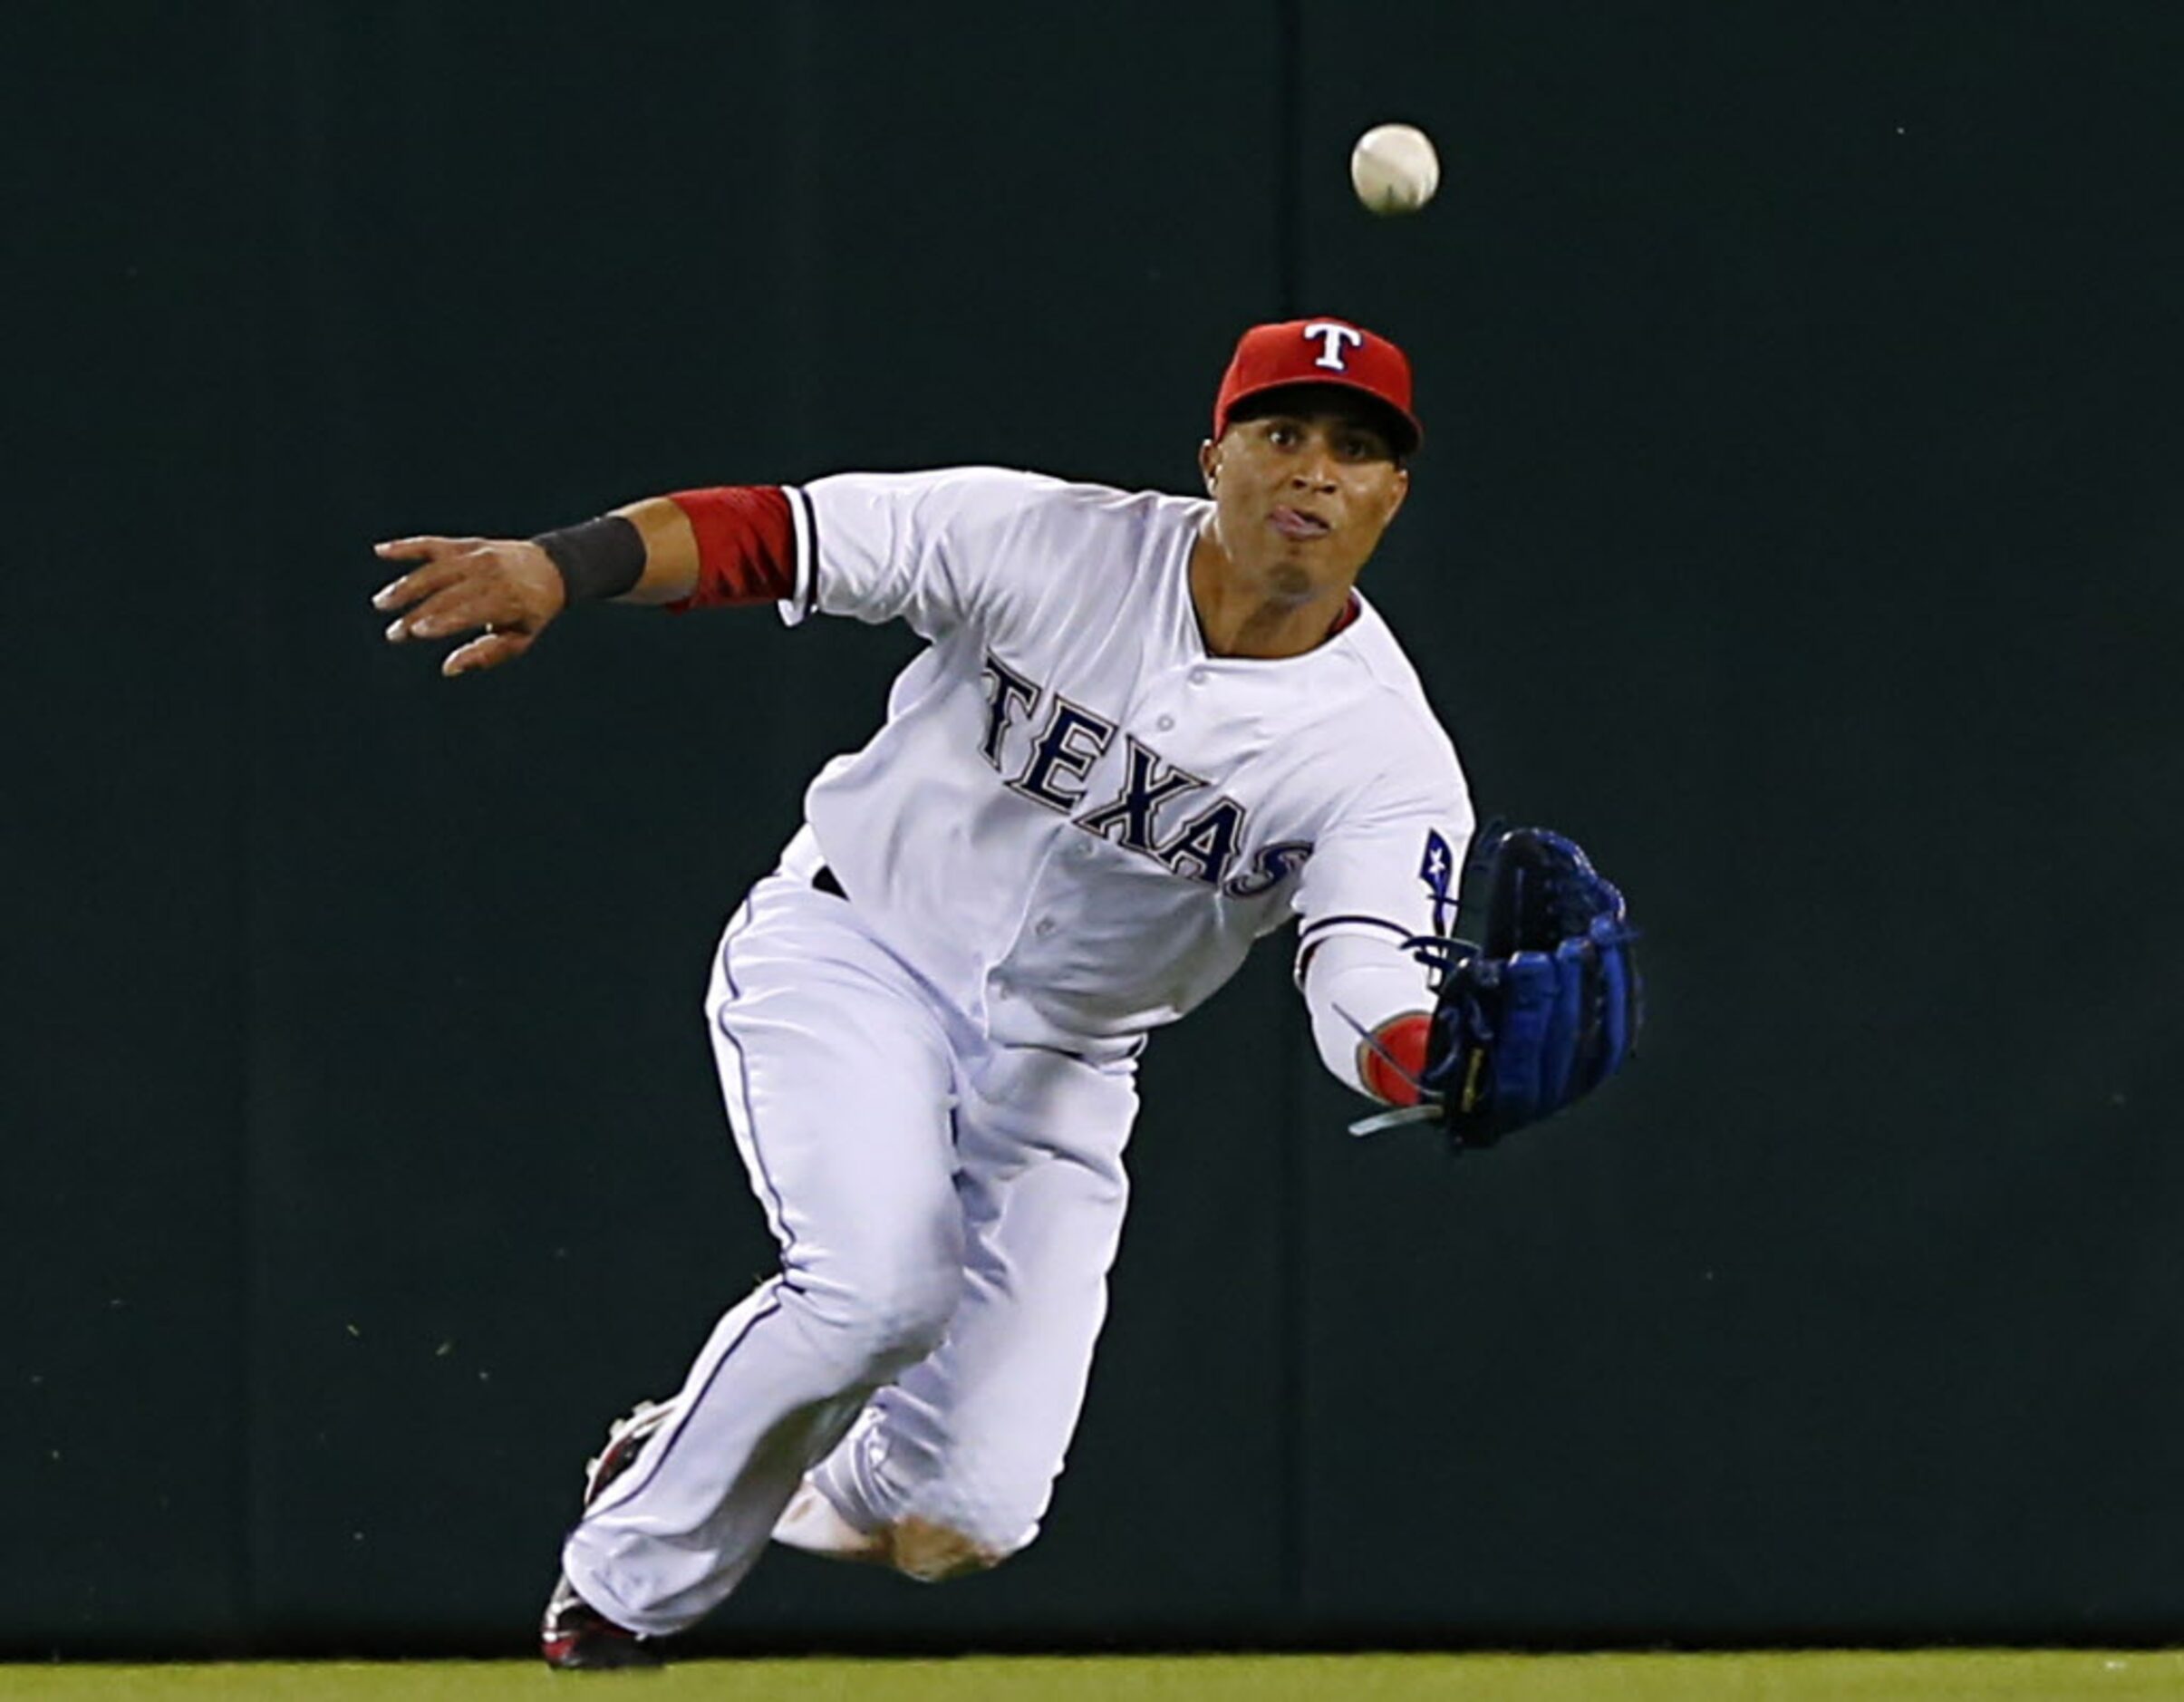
point(1302, 494)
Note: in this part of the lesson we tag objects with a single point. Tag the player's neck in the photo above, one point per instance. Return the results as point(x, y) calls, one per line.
point(1254, 616)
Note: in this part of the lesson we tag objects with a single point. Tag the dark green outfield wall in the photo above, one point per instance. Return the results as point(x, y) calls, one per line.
point(1798, 528)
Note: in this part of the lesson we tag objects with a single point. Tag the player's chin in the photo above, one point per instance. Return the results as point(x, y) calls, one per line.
point(1301, 566)
point(1327, 557)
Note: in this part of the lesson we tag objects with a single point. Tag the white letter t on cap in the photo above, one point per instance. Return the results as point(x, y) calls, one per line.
point(1333, 336)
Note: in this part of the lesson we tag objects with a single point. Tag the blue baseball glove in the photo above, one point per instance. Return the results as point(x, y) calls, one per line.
point(1546, 1005)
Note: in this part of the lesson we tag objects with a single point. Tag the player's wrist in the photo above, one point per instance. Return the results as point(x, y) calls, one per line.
point(1391, 1061)
point(597, 559)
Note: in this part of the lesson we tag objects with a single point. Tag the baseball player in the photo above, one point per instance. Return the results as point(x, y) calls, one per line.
point(1145, 730)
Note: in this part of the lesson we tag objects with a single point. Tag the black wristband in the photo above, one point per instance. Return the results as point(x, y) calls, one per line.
point(598, 558)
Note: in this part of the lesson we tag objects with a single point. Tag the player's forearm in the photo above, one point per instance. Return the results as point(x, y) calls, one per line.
point(727, 544)
point(1370, 1003)
point(671, 551)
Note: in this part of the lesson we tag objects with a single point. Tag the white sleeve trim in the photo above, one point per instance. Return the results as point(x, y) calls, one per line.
point(1356, 983)
point(799, 603)
point(1318, 932)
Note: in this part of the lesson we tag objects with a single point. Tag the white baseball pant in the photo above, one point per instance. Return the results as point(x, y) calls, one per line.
point(947, 1209)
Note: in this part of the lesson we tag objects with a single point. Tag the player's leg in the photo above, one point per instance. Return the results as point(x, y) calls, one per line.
point(949, 1469)
point(837, 1075)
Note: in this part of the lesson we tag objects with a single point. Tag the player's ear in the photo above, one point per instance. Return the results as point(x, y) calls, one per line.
point(1208, 462)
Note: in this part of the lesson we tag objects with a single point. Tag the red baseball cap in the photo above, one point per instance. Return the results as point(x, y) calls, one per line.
point(1320, 351)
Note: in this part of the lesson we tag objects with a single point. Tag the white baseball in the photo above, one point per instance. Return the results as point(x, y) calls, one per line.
point(1394, 169)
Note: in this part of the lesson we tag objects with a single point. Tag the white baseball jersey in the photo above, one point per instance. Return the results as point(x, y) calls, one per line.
point(1070, 829)
point(1077, 821)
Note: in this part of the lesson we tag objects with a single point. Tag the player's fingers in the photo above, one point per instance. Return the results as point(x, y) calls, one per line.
point(488, 650)
point(415, 586)
point(456, 609)
point(450, 610)
point(425, 547)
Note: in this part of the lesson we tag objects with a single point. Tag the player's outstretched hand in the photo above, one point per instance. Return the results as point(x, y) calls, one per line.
point(504, 589)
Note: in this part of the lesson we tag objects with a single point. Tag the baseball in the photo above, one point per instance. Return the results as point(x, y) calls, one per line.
point(1394, 169)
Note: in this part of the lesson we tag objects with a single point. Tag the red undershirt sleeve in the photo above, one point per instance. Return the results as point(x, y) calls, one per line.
point(1405, 1040)
point(746, 545)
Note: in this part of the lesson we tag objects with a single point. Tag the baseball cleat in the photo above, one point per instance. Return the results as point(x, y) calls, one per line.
point(811, 1522)
point(575, 1636)
point(625, 1439)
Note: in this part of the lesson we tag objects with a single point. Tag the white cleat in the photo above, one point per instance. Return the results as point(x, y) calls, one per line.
point(814, 1524)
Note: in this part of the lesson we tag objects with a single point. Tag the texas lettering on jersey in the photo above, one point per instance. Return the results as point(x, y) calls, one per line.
point(1203, 846)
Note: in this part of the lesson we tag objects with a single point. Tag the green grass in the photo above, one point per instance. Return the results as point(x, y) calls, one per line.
point(1773, 1678)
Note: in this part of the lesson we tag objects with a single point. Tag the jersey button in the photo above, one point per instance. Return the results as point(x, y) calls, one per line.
point(1044, 925)
point(1165, 723)
point(1199, 676)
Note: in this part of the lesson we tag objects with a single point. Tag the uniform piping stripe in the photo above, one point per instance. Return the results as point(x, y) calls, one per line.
point(779, 1213)
point(782, 1233)
point(1321, 924)
point(636, 1486)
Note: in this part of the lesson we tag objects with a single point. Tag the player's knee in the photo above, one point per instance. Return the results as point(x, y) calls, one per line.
point(880, 1321)
point(933, 1553)
point(907, 1321)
